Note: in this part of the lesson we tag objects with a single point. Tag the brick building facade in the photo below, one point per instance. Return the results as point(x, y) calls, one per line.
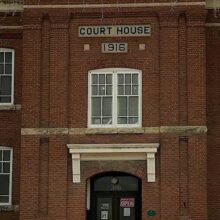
point(109, 110)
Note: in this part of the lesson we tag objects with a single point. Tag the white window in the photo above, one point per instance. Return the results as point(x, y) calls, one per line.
point(6, 76)
point(6, 155)
point(114, 98)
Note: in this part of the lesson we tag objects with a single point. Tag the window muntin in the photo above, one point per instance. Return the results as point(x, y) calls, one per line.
point(6, 76)
point(6, 156)
point(114, 98)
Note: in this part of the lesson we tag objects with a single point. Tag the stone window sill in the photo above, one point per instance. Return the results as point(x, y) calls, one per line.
point(114, 131)
point(9, 208)
point(10, 107)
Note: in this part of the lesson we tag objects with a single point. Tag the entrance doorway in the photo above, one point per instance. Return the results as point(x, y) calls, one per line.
point(115, 196)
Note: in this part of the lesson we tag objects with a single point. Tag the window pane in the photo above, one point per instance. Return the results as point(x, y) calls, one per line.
point(1, 155)
point(133, 106)
point(108, 79)
point(5, 99)
point(94, 79)
point(134, 90)
point(133, 120)
point(107, 106)
point(120, 79)
point(1, 57)
point(8, 57)
point(5, 85)
point(102, 90)
point(122, 120)
point(6, 167)
point(135, 78)
point(1, 68)
point(122, 106)
point(101, 79)
point(120, 90)
point(128, 79)
point(96, 106)
point(108, 90)
point(128, 90)
point(94, 90)
point(107, 121)
point(6, 155)
point(4, 183)
point(1, 167)
point(4, 199)
point(8, 69)
point(96, 121)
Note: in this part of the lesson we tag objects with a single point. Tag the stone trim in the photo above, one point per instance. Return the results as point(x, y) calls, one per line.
point(183, 130)
point(121, 5)
point(10, 7)
point(212, 24)
point(4, 27)
point(20, 7)
point(9, 208)
point(94, 150)
point(44, 131)
point(10, 107)
point(212, 4)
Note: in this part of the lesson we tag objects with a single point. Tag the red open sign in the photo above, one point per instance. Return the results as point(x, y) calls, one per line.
point(127, 202)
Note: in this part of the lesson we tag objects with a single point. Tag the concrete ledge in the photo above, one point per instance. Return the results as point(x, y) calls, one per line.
point(212, 24)
point(10, 107)
point(212, 4)
point(182, 130)
point(9, 208)
point(44, 131)
point(118, 5)
point(10, 7)
point(114, 131)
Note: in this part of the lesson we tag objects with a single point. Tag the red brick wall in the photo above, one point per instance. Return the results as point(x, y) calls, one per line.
point(54, 90)
point(213, 113)
point(10, 120)
point(55, 79)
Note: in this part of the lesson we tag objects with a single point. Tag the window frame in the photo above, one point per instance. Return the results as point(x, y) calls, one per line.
point(10, 178)
point(114, 72)
point(12, 75)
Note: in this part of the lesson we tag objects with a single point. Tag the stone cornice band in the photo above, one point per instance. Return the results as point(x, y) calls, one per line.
point(20, 7)
point(183, 130)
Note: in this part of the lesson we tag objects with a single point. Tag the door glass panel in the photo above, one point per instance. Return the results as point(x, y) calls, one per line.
point(127, 208)
point(104, 208)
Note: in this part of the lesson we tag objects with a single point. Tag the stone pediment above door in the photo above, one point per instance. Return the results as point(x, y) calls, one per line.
point(113, 152)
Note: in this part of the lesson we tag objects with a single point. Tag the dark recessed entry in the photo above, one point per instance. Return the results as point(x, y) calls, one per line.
point(115, 196)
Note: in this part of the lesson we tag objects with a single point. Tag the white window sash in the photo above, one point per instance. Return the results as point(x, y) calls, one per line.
point(12, 75)
point(10, 177)
point(115, 72)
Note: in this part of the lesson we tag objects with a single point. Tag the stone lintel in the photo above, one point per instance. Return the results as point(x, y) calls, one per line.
point(77, 150)
point(180, 130)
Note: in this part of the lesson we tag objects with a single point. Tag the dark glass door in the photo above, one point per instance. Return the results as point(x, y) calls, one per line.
point(116, 206)
point(115, 198)
point(104, 207)
point(127, 206)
